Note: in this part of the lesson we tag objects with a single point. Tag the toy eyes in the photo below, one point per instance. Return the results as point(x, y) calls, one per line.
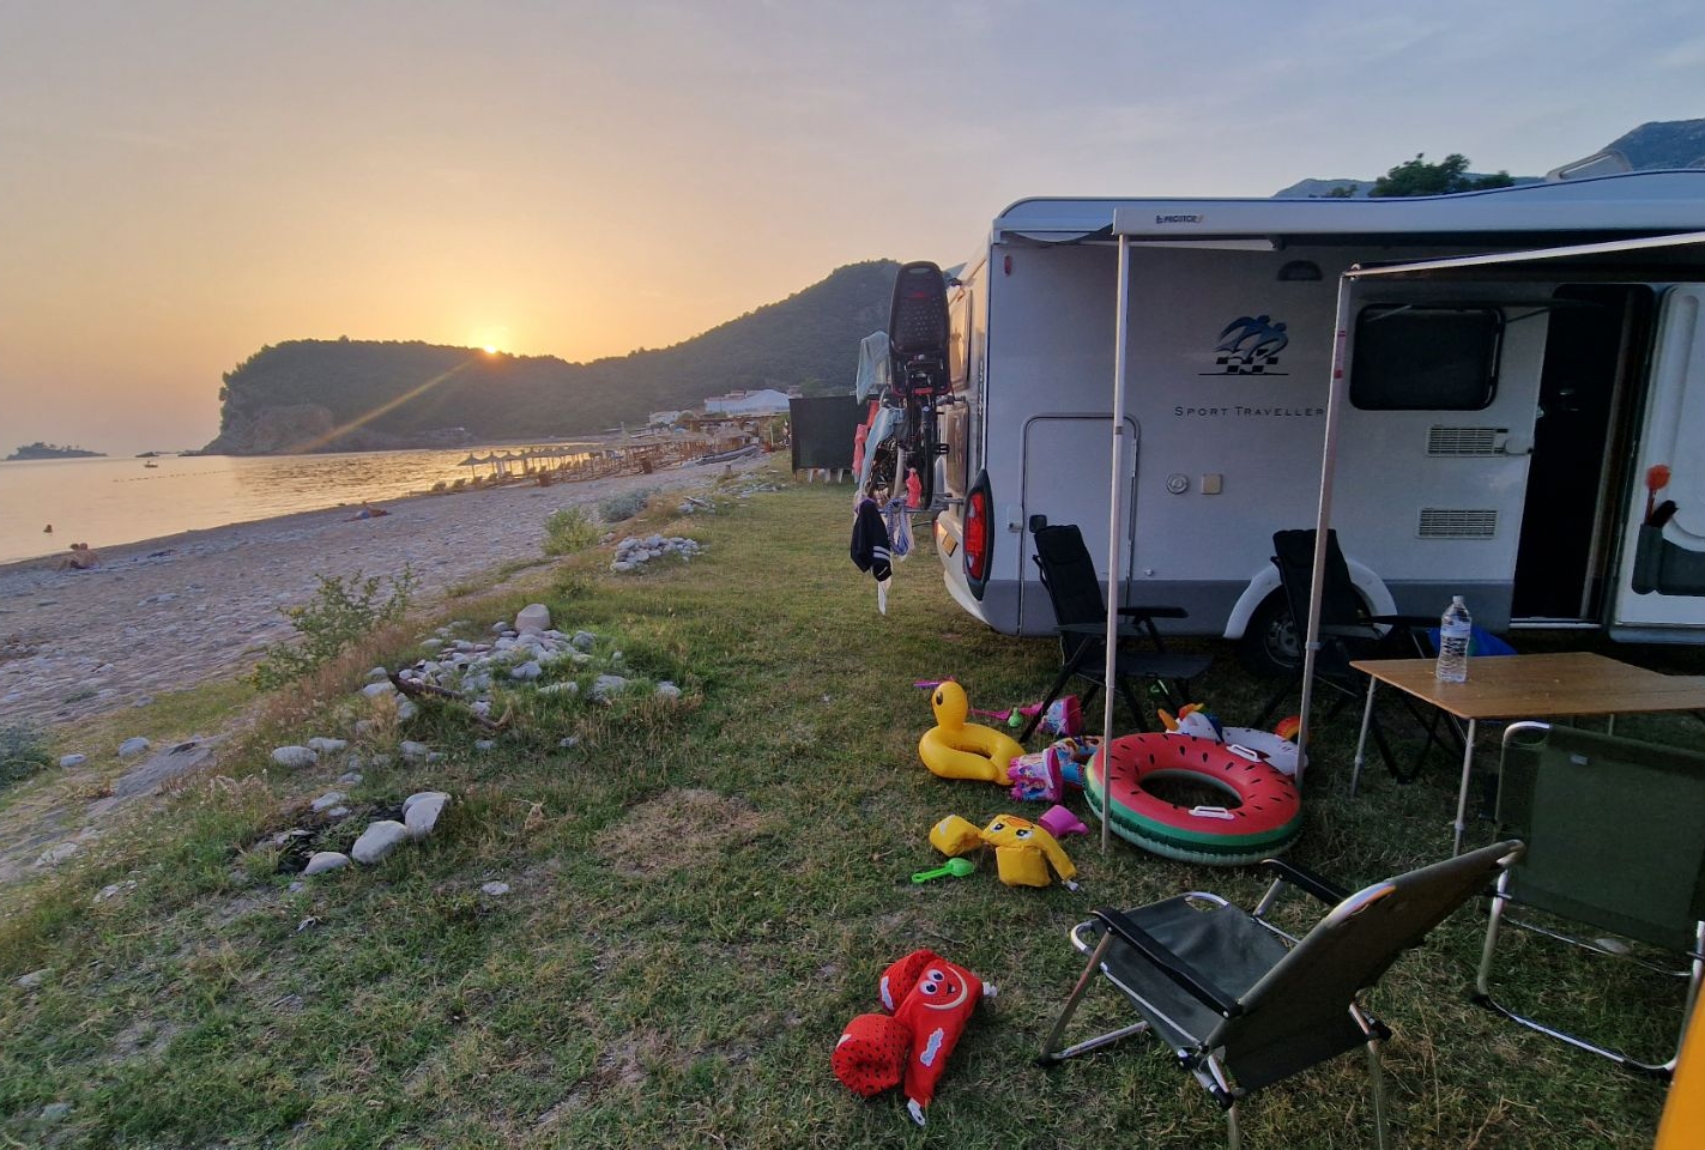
point(997, 828)
point(1023, 834)
point(932, 982)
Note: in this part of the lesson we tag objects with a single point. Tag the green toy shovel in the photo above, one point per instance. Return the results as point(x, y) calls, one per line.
point(958, 868)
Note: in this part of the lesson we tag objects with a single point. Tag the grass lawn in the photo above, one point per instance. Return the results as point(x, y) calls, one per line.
point(702, 894)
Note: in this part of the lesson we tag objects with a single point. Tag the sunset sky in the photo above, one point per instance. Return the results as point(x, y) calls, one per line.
point(181, 183)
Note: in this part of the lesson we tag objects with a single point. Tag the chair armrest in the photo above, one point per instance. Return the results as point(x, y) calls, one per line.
point(1192, 981)
point(1348, 631)
point(1307, 881)
point(1154, 612)
point(1415, 622)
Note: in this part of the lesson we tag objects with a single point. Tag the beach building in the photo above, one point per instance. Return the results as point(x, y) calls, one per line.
point(767, 401)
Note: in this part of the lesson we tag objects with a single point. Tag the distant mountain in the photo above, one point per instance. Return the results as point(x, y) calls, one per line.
point(1658, 144)
point(40, 450)
point(357, 395)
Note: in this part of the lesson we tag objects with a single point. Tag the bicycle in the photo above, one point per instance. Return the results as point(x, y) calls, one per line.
point(917, 339)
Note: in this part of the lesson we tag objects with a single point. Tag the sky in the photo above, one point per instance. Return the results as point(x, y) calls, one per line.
point(184, 182)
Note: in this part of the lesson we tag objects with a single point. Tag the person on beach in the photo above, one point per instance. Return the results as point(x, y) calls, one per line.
point(80, 559)
point(368, 511)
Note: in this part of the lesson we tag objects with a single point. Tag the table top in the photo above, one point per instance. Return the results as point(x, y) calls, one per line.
point(1542, 686)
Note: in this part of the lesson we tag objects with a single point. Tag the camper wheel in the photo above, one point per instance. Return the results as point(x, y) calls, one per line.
point(1270, 645)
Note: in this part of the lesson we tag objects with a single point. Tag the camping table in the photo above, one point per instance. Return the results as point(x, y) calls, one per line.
point(1526, 687)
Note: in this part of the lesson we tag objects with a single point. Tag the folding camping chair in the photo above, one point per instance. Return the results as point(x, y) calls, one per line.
point(1616, 844)
point(1244, 1005)
point(1347, 631)
point(1080, 618)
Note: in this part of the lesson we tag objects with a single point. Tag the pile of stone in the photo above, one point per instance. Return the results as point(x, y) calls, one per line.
point(697, 505)
point(634, 552)
point(420, 816)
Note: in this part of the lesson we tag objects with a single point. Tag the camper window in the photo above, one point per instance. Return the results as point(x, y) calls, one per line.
point(1425, 358)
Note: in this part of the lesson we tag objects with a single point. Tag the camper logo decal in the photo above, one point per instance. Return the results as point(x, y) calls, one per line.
point(1250, 345)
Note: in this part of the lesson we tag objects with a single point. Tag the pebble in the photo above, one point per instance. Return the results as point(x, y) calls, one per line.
point(379, 840)
point(323, 861)
point(328, 800)
point(406, 710)
point(583, 641)
point(533, 618)
point(495, 889)
point(55, 1111)
point(295, 757)
point(569, 743)
point(34, 978)
point(411, 750)
point(130, 748)
point(420, 813)
point(484, 744)
point(69, 761)
point(606, 685)
point(526, 671)
point(668, 690)
point(349, 778)
point(376, 690)
point(327, 746)
point(378, 675)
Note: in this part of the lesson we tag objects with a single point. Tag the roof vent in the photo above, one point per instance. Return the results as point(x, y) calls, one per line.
point(1458, 523)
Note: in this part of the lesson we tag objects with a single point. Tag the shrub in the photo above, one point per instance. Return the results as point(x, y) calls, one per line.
point(624, 506)
point(569, 530)
point(22, 753)
point(339, 614)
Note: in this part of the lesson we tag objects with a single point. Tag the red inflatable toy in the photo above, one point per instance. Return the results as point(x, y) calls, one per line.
point(931, 1000)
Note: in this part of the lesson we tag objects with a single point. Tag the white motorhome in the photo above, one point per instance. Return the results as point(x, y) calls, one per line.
point(1501, 424)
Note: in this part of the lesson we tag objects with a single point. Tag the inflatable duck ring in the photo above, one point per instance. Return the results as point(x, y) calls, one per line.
point(955, 749)
point(1264, 819)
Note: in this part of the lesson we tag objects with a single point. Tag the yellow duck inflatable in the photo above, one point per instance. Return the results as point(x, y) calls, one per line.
point(955, 749)
point(1025, 851)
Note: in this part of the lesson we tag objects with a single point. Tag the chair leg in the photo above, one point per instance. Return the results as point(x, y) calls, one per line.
point(1051, 1054)
point(1273, 701)
point(1133, 703)
point(1053, 693)
point(1376, 1076)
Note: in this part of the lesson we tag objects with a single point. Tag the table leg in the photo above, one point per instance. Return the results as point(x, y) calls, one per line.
point(1362, 739)
point(1462, 795)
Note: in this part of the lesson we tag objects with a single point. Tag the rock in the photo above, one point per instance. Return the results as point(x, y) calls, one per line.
point(431, 644)
point(327, 746)
point(420, 812)
point(55, 855)
point(668, 690)
point(533, 618)
point(55, 1111)
point(323, 861)
point(499, 628)
point(338, 813)
point(69, 761)
point(377, 690)
point(406, 710)
point(583, 640)
point(495, 889)
point(295, 757)
point(378, 675)
point(484, 744)
point(621, 566)
point(569, 743)
point(349, 778)
point(381, 760)
point(144, 701)
point(364, 727)
point(297, 887)
point(113, 890)
point(569, 687)
point(34, 978)
point(130, 748)
point(526, 671)
point(605, 686)
point(378, 840)
point(328, 800)
point(412, 750)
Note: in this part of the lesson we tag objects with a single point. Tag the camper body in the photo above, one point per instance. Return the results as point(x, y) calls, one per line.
point(1501, 419)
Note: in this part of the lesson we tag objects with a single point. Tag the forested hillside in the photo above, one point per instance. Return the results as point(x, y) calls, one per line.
point(351, 395)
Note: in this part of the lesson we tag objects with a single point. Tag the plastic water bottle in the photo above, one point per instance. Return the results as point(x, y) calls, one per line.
point(1455, 629)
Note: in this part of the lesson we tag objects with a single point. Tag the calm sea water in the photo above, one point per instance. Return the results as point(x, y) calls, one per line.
point(106, 502)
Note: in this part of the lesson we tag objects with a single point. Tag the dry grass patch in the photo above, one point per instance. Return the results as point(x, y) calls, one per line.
point(682, 829)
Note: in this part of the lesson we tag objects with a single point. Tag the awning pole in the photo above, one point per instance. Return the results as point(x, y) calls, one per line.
point(1323, 520)
point(1115, 536)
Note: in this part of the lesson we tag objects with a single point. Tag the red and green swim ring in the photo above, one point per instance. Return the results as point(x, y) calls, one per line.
point(1263, 814)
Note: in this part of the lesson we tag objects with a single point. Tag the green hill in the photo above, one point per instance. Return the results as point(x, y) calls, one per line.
point(355, 395)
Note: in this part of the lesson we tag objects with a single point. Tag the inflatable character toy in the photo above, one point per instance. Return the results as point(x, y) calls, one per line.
point(955, 749)
point(1025, 851)
point(1271, 747)
point(930, 1000)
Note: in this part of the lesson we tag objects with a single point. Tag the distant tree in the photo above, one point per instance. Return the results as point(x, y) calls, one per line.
point(1418, 178)
point(1341, 192)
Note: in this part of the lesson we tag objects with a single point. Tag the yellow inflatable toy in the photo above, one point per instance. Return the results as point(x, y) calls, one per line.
point(955, 749)
point(1025, 851)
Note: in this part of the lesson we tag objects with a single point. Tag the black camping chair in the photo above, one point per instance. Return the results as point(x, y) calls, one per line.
point(1241, 1003)
point(1080, 617)
point(1616, 845)
point(1347, 632)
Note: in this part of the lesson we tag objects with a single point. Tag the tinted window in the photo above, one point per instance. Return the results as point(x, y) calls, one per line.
point(1425, 358)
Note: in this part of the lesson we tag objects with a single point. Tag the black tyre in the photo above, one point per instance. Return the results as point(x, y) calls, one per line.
point(1270, 646)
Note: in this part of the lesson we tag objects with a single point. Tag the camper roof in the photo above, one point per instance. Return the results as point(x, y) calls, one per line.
point(1606, 207)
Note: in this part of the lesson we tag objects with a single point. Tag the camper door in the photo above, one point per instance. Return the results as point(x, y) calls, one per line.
point(1661, 579)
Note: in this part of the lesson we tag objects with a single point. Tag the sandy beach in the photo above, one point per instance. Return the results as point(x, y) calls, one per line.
point(166, 614)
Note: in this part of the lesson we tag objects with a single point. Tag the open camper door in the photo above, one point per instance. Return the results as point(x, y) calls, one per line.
point(1661, 576)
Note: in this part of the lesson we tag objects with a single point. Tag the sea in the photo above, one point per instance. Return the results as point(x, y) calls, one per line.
point(109, 501)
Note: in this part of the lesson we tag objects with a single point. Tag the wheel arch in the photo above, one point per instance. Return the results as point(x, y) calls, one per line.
point(1265, 582)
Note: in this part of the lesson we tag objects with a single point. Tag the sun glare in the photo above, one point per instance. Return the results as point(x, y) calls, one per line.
point(490, 350)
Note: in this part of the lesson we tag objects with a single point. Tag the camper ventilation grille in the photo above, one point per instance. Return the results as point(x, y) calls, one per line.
point(1459, 441)
point(1457, 523)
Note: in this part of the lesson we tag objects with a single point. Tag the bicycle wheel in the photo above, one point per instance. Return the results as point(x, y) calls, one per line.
point(921, 449)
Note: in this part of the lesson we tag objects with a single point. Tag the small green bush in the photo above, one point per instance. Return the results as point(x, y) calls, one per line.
point(625, 506)
point(340, 613)
point(569, 530)
point(23, 752)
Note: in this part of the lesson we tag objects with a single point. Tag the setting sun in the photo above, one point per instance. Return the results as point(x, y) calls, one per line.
point(490, 350)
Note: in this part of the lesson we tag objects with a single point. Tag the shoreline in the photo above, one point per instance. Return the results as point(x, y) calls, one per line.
point(167, 613)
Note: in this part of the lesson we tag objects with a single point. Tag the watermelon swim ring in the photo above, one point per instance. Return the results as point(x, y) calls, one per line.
point(1262, 817)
